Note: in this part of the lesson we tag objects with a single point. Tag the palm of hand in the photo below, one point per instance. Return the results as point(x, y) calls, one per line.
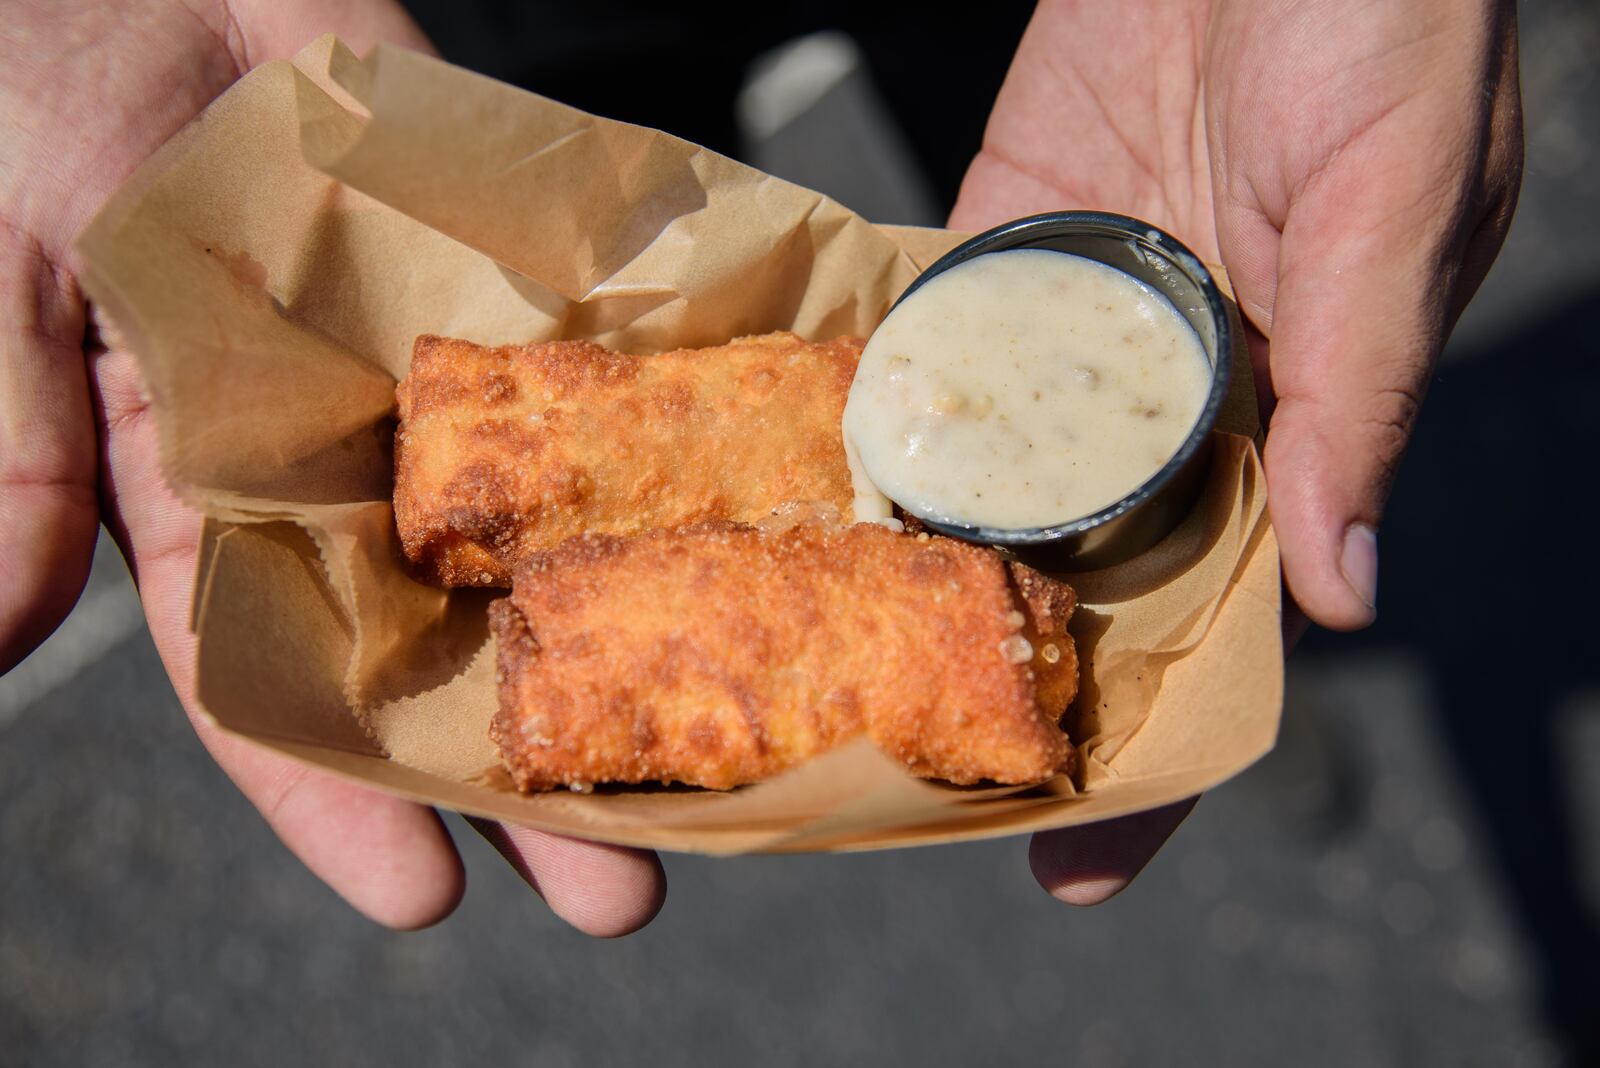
point(1354, 168)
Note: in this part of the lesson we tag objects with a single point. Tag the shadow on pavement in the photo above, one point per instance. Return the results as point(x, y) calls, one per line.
point(1491, 579)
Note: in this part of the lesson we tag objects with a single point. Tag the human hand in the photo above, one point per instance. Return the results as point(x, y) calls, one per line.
point(89, 90)
point(1354, 166)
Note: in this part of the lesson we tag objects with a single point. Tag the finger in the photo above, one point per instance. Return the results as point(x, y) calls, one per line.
point(392, 860)
point(48, 512)
point(603, 890)
point(1358, 322)
point(1093, 863)
point(1377, 261)
point(1354, 297)
point(1381, 244)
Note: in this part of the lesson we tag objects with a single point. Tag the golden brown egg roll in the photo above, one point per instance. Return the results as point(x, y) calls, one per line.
point(722, 654)
point(505, 451)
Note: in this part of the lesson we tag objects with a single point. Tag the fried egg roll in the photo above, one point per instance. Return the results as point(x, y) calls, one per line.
point(722, 654)
point(501, 452)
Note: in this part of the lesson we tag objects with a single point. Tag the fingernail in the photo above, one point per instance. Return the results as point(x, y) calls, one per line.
point(1089, 892)
point(1359, 562)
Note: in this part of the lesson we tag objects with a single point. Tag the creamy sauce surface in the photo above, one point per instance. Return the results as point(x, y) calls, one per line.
point(1023, 389)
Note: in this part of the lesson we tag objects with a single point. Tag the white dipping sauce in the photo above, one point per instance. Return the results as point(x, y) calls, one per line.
point(1024, 389)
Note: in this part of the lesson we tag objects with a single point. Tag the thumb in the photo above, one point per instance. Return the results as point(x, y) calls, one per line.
point(1355, 239)
point(1354, 230)
point(1357, 321)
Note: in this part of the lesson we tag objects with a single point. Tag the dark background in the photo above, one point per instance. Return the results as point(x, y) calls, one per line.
point(1412, 877)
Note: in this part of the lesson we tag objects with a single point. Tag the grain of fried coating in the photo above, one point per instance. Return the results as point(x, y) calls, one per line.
point(721, 654)
point(505, 451)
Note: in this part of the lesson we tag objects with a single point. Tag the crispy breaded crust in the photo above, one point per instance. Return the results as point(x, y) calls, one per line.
point(505, 451)
point(719, 654)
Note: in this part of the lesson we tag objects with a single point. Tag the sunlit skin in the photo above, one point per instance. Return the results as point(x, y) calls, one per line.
point(1354, 165)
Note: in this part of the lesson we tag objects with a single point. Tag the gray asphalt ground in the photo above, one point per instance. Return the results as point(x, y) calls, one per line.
point(1412, 877)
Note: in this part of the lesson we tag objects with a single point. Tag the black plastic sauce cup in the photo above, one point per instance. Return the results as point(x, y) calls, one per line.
point(1133, 524)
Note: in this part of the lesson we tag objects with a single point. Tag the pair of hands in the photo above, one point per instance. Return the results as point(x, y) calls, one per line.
point(1353, 165)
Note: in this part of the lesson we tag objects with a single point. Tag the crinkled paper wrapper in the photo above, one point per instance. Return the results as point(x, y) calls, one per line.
point(270, 268)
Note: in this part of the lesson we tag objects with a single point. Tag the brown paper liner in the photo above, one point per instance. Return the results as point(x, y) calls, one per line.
point(270, 268)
